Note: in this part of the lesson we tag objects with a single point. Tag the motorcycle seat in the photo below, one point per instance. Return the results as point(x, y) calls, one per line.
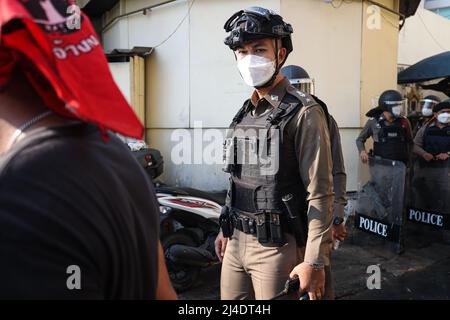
point(218, 197)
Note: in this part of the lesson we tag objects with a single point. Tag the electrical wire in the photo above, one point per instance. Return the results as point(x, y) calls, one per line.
point(431, 34)
point(178, 26)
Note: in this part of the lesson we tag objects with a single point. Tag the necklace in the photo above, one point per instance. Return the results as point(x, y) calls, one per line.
point(27, 125)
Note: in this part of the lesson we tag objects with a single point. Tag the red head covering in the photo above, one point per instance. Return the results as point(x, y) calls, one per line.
point(64, 62)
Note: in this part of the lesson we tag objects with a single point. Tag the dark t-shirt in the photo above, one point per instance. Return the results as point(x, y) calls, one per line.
point(76, 210)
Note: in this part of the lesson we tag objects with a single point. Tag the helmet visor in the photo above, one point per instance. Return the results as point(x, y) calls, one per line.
point(397, 108)
point(428, 103)
point(304, 85)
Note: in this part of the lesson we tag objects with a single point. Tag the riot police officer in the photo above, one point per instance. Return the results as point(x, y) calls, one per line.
point(430, 182)
point(391, 132)
point(426, 105)
point(263, 222)
point(300, 79)
point(432, 141)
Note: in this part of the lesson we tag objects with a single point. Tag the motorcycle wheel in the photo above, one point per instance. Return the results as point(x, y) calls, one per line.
point(181, 276)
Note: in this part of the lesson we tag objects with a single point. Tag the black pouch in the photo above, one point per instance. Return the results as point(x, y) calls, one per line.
point(262, 228)
point(226, 222)
point(229, 155)
point(296, 219)
point(276, 232)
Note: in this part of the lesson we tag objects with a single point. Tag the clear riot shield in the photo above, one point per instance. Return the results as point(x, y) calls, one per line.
point(379, 211)
point(429, 195)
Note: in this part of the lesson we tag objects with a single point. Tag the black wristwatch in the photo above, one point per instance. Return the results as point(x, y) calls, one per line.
point(338, 220)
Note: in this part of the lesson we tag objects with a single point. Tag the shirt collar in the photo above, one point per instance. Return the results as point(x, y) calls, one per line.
point(274, 97)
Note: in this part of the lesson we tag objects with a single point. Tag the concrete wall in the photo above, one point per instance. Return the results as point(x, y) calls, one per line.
point(193, 78)
point(327, 43)
point(423, 35)
point(379, 56)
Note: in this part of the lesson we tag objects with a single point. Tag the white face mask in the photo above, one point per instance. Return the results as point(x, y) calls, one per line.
point(427, 112)
point(256, 70)
point(444, 118)
point(396, 111)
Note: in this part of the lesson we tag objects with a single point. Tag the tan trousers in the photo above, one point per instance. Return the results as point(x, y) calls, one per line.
point(252, 271)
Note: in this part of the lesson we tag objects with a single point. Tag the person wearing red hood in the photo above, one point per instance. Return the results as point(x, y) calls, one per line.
point(73, 225)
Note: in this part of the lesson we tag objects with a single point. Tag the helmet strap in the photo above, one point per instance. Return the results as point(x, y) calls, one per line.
point(277, 69)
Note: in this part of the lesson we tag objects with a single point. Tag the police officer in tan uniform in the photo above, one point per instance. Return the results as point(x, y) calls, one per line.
point(432, 141)
point(391, 132)
point(300, 79)
point(282, 199)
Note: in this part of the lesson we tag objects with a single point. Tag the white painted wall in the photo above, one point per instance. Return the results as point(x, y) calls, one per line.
point(115, 36)
point(200, 176)
point(193, 77)
point(121, 73)
point(415, 41)
point(327, 43)
point(217, 90)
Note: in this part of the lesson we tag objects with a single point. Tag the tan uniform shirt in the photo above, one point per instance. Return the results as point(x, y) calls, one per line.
point(418, 139)
point(308, 131)
point(339, 175)
point(372, 129)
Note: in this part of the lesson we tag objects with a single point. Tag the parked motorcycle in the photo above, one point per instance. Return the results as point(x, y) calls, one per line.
point(189, 226)
point(189, 222)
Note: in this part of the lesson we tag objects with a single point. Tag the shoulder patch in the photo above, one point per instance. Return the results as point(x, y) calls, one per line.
point(305, 98)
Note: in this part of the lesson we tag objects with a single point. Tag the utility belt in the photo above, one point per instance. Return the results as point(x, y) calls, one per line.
point(268, 227)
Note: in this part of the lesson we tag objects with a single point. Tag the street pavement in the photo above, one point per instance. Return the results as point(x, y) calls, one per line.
point(422, 271)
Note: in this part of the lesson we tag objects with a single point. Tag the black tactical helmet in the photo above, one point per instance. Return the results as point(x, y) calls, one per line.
point(299, 78)
point(389, 99)
point(257, 23)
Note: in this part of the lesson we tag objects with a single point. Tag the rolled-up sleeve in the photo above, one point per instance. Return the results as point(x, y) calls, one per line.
point(312, 146)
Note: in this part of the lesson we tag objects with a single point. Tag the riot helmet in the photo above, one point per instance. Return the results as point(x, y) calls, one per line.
point(299, 78)
point(393, 102)
point(427, 104)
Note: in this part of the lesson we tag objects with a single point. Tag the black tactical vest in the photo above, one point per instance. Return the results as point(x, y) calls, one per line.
point(437, 140)
point(266, 166)
point(392, 143)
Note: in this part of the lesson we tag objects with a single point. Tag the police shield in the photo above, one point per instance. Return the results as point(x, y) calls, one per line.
point(380, 204)
point(429, 196)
